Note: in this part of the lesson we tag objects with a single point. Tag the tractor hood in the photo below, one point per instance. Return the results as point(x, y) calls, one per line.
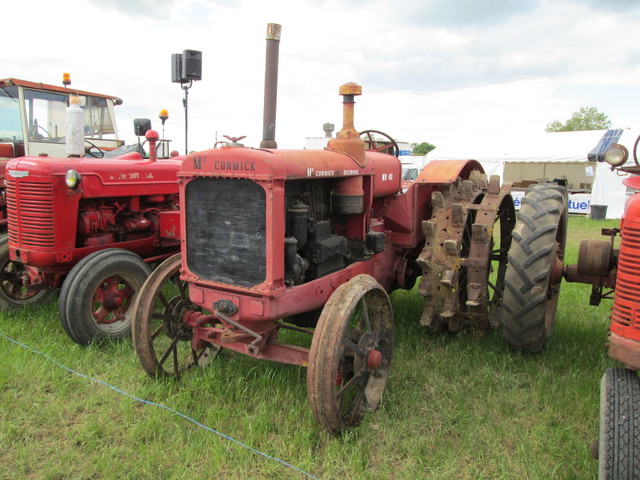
point(99, 177)
point(267, 164)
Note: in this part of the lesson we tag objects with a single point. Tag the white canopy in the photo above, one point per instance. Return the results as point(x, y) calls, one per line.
point(560, 152)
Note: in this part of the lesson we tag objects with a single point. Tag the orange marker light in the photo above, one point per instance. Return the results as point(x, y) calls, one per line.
point(66, 79)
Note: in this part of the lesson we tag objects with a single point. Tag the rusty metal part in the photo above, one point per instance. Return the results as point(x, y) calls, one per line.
point(462, 270)
point(350, 354)
point(271, 86)
point(161, 337)
point(594, 258)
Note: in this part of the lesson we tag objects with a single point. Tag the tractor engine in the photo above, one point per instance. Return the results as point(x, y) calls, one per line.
point(110, 220)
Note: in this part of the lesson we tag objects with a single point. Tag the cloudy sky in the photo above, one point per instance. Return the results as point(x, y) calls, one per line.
point(450, 72)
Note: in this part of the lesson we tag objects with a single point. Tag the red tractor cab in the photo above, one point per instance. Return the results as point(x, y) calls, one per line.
point(32, 122)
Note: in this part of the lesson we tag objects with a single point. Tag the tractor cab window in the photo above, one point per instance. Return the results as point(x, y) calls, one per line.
point(97, 117)
point(10, 124)
point(45, 115)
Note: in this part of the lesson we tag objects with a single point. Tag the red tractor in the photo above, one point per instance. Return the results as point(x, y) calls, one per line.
point(91, 226)
point(314, 241)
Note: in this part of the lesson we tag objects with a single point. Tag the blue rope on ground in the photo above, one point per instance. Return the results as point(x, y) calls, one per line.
point(116, 389)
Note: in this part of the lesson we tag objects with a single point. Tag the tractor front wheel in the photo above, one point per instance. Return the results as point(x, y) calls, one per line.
point(13, 278)
point(619, 444)
point(534, 270)
point(97, 295)
point(350, 354)
point(160, 337)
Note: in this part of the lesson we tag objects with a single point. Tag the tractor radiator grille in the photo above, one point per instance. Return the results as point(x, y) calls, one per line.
point(34, 226)
point(628, 277)
point(226, 230)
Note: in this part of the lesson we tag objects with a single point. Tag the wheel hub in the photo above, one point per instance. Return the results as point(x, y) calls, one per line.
point(374, 360)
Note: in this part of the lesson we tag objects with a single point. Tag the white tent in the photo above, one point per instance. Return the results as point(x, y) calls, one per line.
point(547, 156)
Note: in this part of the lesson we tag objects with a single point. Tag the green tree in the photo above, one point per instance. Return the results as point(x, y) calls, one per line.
point(421, 148)
point(587, 118)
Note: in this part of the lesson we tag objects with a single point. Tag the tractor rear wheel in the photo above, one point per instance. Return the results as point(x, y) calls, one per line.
point(534, 270)
point(161, 340)
point(350, 354)
point(13, 292)
point(97, 295)
point(619, 443)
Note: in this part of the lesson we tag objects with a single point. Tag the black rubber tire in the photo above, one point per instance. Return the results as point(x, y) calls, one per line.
point(76, 305)
point(10, 298)
point(619, 443)
point(528, 308)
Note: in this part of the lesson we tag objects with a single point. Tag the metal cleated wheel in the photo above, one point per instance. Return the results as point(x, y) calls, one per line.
point(534, 271)
point(619, 440)
point(161, 340)
point(13, 276)
point(464, 258)
point(350, 354)
point(97, 295)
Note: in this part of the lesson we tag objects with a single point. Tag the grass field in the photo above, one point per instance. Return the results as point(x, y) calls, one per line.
point(456, 406)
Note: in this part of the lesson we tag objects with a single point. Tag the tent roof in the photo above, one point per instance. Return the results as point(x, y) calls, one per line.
point(537, 148)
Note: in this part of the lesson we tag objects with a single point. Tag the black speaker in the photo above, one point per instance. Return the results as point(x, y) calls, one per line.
point(141, 126)
point(191, 65)
point(176, 68)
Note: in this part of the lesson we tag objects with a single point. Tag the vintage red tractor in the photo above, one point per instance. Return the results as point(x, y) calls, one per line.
point(313, 241)
point(92, 227)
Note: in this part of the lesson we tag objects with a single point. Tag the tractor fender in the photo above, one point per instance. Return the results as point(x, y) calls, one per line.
point(447, 171)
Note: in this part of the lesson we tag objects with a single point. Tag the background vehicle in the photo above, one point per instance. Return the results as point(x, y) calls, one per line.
point(617, 270)
point(91, 226)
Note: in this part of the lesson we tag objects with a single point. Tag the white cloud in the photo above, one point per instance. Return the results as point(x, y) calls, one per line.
point(426, 73)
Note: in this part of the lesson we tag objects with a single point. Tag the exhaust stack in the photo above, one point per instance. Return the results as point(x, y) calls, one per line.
point(271, 86)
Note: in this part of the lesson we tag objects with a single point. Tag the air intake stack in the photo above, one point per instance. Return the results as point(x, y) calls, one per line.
point(271, 86)
point(347, 197)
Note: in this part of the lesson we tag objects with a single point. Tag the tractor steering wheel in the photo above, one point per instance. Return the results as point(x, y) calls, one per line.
point(94, 151)
point(635, 151)
point(371, 144)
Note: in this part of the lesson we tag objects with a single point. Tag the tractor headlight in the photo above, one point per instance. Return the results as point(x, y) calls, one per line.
point(72, 179)
point(617, 155)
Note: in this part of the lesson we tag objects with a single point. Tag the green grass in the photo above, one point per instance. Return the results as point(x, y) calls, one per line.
point(456, 406)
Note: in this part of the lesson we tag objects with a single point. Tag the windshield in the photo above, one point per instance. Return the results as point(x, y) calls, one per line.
point(45, 116)
point(10, 125)
point(97, 119)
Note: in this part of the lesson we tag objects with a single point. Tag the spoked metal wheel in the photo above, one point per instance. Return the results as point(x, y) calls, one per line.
point(350, 354)
point(13, 292)
point(161, 340)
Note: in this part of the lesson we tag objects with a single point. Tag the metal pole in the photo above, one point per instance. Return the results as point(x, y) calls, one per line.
point(185, 102)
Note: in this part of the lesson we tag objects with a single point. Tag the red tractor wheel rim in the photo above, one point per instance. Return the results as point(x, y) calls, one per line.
point(111, 300)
